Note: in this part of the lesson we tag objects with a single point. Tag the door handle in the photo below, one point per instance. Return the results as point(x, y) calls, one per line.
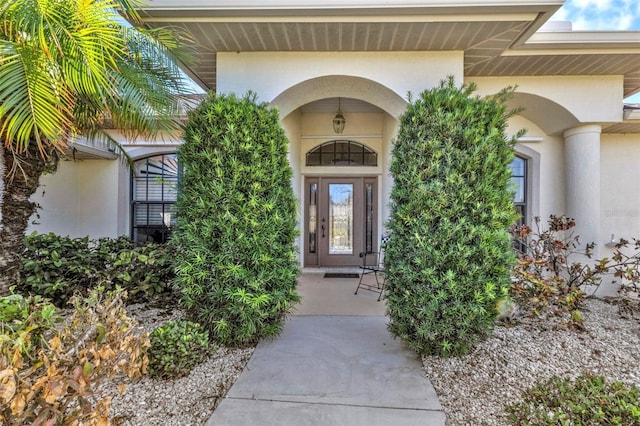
point(322, 227)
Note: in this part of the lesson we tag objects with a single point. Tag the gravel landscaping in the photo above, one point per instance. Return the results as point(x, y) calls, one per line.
point(187, 401)
point(473, 389)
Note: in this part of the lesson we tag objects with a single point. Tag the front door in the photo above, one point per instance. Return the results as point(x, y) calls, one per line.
point(341, 220)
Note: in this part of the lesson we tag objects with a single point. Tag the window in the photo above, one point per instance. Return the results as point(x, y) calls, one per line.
point(519, 183)
point(153, 198)
point(519, 178)
point(342, 153)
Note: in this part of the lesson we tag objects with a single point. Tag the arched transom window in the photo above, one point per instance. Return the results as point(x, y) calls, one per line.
point(342, 153)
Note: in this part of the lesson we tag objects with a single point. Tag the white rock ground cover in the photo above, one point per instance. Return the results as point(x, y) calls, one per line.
point(186, 401)
point(473, 389)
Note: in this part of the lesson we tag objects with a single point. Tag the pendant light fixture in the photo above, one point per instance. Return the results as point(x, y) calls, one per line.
point(339, 121)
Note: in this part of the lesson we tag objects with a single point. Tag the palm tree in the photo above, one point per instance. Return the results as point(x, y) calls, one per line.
point(66, 67)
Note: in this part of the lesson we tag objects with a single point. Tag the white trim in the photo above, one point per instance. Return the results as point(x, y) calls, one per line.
point(481, 17)
point(251, 5)
point(530, 139)
point(137, 153)
point(584, 37)
point(533, 181)
point(340, 137)
point(631, 115)
point(92, 150)
point(573, 51)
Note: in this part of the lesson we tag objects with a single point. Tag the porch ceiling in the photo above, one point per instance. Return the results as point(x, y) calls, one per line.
point(498, 37)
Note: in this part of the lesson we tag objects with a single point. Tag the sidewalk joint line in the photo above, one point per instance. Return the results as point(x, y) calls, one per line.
point(337, 404)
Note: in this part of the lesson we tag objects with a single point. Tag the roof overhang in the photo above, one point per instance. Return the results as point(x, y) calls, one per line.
point(482, 29)
point(499, 38)
point(570, 53)
point(341, 7)
point(630, 123)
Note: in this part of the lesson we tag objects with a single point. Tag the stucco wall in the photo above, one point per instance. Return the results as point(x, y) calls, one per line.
point(291, 126)
point(620, 184)
point(98, 187)
point(58, 196)
point(546, 178)
point(271, 73)
point(556, 101)
point(390, 132)
point(81, 198)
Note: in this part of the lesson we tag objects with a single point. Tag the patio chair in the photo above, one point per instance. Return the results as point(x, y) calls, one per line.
point(375, 267)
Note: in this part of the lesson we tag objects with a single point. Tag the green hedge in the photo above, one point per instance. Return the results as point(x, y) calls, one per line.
point(449, 256)
point(236, 260)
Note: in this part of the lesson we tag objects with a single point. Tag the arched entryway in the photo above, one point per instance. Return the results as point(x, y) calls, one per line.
point(341, 179)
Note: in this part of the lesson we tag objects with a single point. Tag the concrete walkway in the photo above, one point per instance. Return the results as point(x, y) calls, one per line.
point(332, 370)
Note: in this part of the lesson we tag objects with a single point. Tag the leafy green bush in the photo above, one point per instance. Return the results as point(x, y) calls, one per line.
point(588, 400)
point(144, 271)
point(236, 215)
point(50, 368)
point(58, 267)
point(449, 256)
point(176, 348)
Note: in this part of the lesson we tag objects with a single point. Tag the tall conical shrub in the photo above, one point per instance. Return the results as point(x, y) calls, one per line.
point(449, 258)
point(236, 260)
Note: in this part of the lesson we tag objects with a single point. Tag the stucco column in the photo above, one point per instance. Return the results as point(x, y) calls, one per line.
point(582, 180)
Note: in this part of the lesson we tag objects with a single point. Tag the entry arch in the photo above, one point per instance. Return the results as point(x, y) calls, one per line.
point(545, 113)
point(344, 86)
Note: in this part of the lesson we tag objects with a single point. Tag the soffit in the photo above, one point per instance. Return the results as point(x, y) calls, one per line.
point(498, 37)
point(483, 30)
point(480, 41)
point(623, 128)
point(627, 64)
point(569, 53)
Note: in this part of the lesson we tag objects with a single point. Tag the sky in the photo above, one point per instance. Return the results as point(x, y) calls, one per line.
point(601, 15)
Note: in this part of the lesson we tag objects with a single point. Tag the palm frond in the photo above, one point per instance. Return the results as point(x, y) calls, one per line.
point(30, 107)
point(67, 66)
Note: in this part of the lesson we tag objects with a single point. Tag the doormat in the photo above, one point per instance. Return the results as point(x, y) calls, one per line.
point(341, 275)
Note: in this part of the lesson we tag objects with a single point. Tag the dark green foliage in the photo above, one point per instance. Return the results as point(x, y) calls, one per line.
point(58, 267)
point(144, 271)
point(176, 348)
point(587, 401)
point(235, 262)
point(449, 256)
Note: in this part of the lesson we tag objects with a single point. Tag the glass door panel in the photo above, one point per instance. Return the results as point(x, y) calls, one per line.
point(340, 218)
